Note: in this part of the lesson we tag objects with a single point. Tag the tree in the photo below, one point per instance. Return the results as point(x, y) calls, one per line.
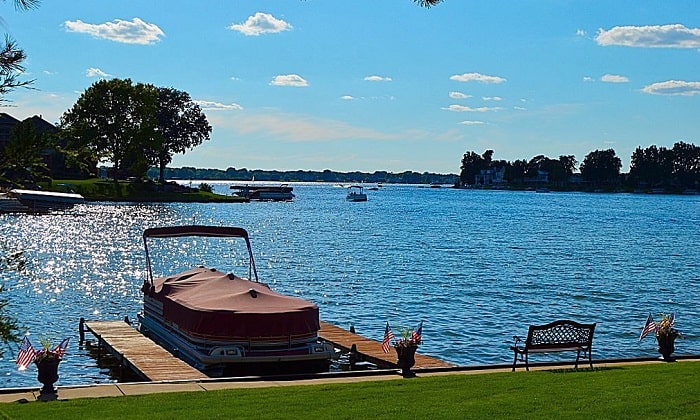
point(472, 164)
point(427, 3)
point(21, 159)
point(181, 125)
point(114, 119)
point(12, 57)
point(601, 167)
point(515, 172)
point(568, 163)
point(686, 164)
point(651, 166)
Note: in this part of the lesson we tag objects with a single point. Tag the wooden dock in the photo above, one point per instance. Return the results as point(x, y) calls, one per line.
point(138, 352)
point(152, 362)
point(371, 350)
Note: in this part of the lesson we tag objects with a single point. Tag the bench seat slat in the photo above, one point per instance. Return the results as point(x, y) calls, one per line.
point(554, 349)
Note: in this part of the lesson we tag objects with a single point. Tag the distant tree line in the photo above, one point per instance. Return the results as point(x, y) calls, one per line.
point(234, 174)
point(677, 168)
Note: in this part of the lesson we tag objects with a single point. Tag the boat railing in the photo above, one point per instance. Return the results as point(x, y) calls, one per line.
point(201, 231)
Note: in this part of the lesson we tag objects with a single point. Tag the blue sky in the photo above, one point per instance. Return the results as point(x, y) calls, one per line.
point(382, 85)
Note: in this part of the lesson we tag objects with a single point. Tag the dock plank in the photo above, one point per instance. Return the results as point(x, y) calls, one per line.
point(372, 349)
point(147, 358)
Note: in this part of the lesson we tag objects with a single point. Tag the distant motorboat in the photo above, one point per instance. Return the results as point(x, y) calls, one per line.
point(46, 200)
point(356, 193)
point(281, 192)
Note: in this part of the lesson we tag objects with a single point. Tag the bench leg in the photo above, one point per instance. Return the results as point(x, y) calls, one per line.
point(578, 356)
point(515, 359)
point(527, 366)
point(590, 358)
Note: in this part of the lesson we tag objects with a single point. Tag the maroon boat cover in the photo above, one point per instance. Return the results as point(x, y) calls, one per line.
point(207, 302)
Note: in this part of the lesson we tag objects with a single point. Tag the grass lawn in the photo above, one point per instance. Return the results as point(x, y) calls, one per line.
point(96, 189)
point(663, 390)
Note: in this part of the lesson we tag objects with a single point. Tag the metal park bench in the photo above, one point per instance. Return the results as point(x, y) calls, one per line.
point(557, 336)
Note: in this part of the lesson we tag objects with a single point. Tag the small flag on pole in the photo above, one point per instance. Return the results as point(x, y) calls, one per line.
point(388, 336)
point(648, 327)
point(26, 354)
point(417, 335)
point(60, 349)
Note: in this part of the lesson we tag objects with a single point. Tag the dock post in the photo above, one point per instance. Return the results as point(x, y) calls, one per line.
point(81, 330)
point(353, 356)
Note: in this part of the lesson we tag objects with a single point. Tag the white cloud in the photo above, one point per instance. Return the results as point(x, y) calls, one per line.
point(492, 98)
point(673, 88)
point(347, 98)
point(477, 77)
point(289, 80)
point(472, 123)
point(459, 95)
point(519, 108)
point(659, 36)
point(127, 32)
point(462, 108)
point(95, 72)
point(303, 128)
point(261, 23)
point(217, 106)
point(614, 78)
point(580, 32)
point(377, 79)
point(588, 79)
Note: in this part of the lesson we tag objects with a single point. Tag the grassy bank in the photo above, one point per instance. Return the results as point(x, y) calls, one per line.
point(669, 390)
point(96, 189)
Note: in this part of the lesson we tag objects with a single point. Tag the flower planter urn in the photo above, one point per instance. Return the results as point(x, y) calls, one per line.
point(48, 374)
point(406, 359)
point(666, 346)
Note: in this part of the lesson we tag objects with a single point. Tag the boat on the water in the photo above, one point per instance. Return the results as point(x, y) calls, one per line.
point(356, 193)
point(281, 192)
point(226, 325)
point(41, 201)
point(10, 204)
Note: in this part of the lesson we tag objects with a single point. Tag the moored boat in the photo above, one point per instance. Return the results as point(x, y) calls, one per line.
point(356, 193)
point(281, 192)
point(10, 204)
point(223, 324)
point(46, 200)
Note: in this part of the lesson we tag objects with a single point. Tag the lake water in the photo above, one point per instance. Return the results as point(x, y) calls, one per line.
point(476, 266)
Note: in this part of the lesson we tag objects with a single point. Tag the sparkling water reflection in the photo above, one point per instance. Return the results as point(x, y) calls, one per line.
point(476, 266)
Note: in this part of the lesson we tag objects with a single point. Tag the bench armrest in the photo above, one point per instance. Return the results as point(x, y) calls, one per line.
point(517, 340)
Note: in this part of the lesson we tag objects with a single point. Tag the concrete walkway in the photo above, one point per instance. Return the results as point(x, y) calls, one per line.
point(140, 388)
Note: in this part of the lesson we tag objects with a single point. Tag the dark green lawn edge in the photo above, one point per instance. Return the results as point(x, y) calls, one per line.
point(659, 390)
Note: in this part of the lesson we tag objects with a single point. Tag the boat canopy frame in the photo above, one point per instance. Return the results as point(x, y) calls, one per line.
point(202, 231)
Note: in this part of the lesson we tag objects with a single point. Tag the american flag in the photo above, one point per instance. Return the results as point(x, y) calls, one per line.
point(388, 335)
point(26, 354)
point(648, 327)
point(417, 335)
point(60, 349)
